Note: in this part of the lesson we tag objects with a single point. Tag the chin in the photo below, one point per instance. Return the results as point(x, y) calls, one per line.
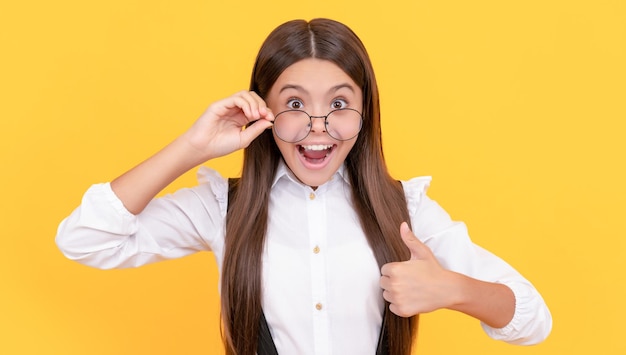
point(316, 182)
point(313, 179)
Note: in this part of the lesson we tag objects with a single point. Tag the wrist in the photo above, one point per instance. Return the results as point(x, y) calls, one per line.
point(491, 303)
point(188, 153)
point(460, 291)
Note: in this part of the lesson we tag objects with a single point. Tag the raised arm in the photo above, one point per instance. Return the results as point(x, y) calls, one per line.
point(121, 225)
point(218, 132)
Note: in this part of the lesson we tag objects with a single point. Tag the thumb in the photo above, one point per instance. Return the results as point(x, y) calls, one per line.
point(418, 250)
point(254, 130)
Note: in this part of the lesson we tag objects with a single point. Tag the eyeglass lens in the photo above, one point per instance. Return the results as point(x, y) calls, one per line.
point(294, 125)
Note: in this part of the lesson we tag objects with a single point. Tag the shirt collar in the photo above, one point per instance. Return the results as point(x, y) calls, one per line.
point(283, 171)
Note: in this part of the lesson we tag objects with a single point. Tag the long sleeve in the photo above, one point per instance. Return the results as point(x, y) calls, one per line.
point(451, 244)
point(101, 233)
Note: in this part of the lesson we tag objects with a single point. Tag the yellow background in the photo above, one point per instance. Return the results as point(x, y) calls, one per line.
point(516, 108)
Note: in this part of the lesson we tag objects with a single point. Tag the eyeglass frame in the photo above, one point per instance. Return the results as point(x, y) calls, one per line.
point(325, 123)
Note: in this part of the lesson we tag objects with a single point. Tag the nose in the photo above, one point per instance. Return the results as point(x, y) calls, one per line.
point(318, 123)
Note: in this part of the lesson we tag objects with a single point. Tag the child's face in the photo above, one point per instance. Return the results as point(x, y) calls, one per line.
point(317, 87)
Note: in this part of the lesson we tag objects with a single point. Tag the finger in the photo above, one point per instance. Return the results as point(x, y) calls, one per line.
point(225, 107)
point(264, 111)
point(270, 115)
point(385, 281)
point(242, 102)
point(388, 269)
point(399, 311)
point(388, 296)
point(251, 108)
point(416, 247)
point(254, 130)
point(258, 107)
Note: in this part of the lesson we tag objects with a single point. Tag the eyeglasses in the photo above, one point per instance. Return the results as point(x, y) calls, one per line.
point(293, 126)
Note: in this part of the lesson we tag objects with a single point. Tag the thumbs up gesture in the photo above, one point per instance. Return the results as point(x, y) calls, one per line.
point(418, 285)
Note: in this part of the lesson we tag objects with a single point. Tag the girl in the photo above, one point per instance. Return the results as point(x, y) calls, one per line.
point(315, 242)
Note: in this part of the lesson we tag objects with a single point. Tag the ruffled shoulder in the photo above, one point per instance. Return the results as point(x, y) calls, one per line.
point(218, 185)
point(414, 190)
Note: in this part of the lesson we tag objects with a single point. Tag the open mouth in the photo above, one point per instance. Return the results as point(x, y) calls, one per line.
point(315, 153)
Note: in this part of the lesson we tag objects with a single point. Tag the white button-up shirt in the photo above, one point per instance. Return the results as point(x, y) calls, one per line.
point(321, 292)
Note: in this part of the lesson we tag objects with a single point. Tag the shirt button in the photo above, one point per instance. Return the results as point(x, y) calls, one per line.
point(316, 250)
point(312, 196)
point(318, 306)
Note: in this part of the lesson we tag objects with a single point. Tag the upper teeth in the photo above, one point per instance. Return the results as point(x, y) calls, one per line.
point(317, 147)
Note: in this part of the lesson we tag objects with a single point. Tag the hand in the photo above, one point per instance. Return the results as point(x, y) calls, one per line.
point(419, 285)
point(220, 130)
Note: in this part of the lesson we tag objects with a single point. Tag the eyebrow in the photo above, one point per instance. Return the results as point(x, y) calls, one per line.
point(332, 89)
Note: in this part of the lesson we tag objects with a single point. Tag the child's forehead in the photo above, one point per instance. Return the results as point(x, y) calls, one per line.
point(313, 75)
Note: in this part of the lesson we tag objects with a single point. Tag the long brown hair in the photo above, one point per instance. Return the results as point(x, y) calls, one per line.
point(378, 199)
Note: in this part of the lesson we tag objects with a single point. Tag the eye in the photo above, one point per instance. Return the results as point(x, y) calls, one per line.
point(295, 104)
point(338, 104)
